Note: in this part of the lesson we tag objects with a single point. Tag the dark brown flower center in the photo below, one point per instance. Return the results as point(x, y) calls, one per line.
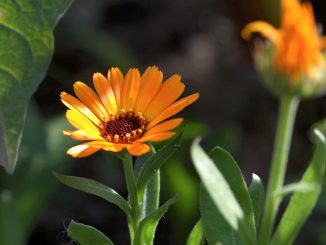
point(125, 127)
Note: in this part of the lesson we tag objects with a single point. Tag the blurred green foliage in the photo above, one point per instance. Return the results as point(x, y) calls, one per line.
point(23, 195)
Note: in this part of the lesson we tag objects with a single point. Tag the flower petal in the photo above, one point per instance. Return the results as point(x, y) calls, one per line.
point(90, 99)
point(107, 146)
point(156, 137)
point(79, 135)
point(79, 121)
point(115, 78)
point(82, 150)
point(265, 29)
point(130, 89)
point(150, 84)
point(170, 90)
point(73, 103)
point(165, 126)
point(138, 149)
point(173, 109)
point(105, 91)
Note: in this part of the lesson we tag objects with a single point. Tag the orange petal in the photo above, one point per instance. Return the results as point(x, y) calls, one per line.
point(165, 126)
point(322, 42)
point(79, 135)
point(107, 146)
point(137, 149)
point(130, 88)
point(105, 91)
point(170, 90)
point(73, 103)
point(90, 99)
point(156, 137)
point(82, 150)
point(115, 78)
point(173, 109)
point(79, 121)
point(265, 29)
point(150, 85)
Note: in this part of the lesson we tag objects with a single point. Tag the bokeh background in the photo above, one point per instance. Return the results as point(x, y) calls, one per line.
point(199, 40)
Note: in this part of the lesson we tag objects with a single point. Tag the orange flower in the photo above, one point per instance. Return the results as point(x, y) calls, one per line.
point(297, 42)
point(125, 111)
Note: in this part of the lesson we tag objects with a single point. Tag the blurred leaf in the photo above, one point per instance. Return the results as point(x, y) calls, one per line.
point(302, 203)
point(146, 229)
point(11, 229)
point(26, 47)
point(155, 162)
point(87, 235)
point(179, 180)
point(295, 187)
point(257, 195)
point(108, 50)
point(95, 188)
point(216, 185)
point(196, 237)
point(43, 149)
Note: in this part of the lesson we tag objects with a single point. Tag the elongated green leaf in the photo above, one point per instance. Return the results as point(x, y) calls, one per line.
point(216, 185)
point(155, 162)
point(257, 195)
point(232, 173)
point(196, 236)
point(151, 196)
point(216, 228)
point(95, 188)
point(146, 229)
point(26, 47)
point(302, 203)
point(295, 187)
point(87, 235)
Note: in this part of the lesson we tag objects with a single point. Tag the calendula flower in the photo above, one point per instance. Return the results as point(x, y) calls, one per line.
point(296, 52)
point(124, 112)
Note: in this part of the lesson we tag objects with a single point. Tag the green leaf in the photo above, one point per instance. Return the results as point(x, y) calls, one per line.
point(302, 203)
point(87, 235)
point(232, 173)
point(151, 196)
point(257, 195)
point(295, 187)
point(26, 47)
point(196, 236)
point(216, 185)
point(146, 229)
point(95, 188)
point(216, 228)
point(155, 162)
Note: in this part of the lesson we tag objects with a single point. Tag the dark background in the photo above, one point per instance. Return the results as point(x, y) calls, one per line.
point(199, 40)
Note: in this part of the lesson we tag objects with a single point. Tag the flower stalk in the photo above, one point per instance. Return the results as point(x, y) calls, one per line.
point(133, 221)
point(287, 114)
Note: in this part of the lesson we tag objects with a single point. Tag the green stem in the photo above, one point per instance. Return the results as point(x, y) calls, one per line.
point(132, 192)
point(287, 113)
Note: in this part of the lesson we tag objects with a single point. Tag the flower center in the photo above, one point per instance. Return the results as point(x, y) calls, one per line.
point(124, 128)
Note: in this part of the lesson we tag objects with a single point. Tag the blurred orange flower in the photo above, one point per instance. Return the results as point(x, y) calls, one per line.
point(297, 42)
point(125, 111)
